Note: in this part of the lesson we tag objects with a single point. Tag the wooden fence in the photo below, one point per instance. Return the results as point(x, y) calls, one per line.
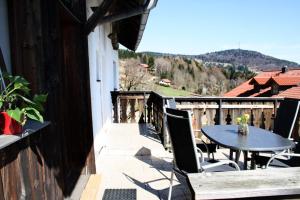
point(145, 106)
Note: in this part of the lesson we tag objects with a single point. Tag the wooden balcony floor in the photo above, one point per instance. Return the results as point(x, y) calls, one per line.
point(134, 158)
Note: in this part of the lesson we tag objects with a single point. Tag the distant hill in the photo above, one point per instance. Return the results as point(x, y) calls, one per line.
point(252, 59)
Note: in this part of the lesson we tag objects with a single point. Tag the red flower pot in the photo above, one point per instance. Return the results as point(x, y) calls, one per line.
point(8, 125)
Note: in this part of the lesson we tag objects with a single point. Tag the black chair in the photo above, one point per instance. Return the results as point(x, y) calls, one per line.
point(170, 103)
point(283, 125)
point(186, 155)
point(208, 148)
point(286, 117)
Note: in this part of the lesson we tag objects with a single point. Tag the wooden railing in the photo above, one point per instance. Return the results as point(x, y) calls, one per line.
point(132, 107)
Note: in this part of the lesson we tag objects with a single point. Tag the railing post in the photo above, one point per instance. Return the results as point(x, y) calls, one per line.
point(252, 118)
point(275, 112)
point(149, 108)
point(114, 99)
point(228, 118)
point(123, 105)
point(220, 112)
point(132, 103)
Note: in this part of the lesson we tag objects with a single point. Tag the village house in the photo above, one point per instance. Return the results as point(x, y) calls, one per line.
point(165, 82)
point(145, 67)
point(277, 83)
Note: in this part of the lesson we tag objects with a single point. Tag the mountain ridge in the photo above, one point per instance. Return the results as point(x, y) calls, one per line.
point(252, 59)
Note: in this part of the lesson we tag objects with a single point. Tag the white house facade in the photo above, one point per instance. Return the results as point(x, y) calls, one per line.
point(104, 63)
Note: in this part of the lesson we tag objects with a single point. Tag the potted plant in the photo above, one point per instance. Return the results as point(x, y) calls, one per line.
point(16, 105)
point(242, 122)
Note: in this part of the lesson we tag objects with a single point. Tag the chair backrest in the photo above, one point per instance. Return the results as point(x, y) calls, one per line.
point(286, 117)
point(183, 142)
point(171, 103)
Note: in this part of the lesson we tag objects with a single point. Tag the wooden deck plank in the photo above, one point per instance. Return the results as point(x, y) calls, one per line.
point(92, 188)
point(242, 184)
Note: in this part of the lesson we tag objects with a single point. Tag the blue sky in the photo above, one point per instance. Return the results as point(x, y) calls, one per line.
point(200, 26)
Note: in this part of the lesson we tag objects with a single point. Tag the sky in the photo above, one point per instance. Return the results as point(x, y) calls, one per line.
point(271, 27)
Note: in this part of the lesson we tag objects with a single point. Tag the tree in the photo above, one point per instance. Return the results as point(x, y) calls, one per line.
point(132, 75)
point(144, 59)
point(151, 62)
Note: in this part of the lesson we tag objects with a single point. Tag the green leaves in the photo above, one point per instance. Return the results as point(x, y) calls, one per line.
point(39, 100)
point(16, 114)
point(34, 114)
point(16, 101)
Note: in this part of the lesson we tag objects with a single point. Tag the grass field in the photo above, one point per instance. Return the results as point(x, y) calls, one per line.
point(168, 91)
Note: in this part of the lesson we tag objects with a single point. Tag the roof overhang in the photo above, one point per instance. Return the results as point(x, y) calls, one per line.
point(130, 29)
point(129, 19)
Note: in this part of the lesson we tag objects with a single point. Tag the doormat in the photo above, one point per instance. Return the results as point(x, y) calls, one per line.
point(120, 194)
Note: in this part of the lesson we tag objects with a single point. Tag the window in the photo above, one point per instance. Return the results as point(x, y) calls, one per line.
point(4, 34)
point(116, 87)
point(274, 89)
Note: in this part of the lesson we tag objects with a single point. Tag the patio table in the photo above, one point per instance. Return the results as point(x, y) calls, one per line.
point(257, 140)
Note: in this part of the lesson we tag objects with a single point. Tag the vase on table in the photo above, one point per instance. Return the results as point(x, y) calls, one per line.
point(243, 129)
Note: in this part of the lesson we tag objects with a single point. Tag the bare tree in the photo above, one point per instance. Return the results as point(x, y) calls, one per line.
point(132, 75)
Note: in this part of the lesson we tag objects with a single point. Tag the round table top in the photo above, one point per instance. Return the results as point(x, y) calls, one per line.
point(256, 140)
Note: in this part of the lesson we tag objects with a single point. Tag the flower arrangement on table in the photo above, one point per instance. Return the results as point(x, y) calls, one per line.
point(242, 122)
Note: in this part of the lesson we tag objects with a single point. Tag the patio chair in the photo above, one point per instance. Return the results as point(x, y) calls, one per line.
point(171, 103)
point(186, 155)
point(283, 125)
point(208, 148)
point(294, 160)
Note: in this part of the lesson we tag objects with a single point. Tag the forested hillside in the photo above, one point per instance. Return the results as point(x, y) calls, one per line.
point(187, 74)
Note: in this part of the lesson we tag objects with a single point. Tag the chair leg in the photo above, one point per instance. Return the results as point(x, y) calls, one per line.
point(171, 185)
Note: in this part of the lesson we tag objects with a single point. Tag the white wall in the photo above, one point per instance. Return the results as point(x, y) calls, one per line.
point(4, 34)
point(102, 80)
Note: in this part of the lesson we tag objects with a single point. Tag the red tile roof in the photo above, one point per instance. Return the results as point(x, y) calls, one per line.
point(257, 94)
point(293, 93)
point(166, 80)
point(259, 80)
point(286, 81)
point(289, 78)
point(244, 87)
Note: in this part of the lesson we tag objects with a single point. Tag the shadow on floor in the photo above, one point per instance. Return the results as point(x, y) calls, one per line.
point(178, 191)
point(149, 132)
point(160, 164)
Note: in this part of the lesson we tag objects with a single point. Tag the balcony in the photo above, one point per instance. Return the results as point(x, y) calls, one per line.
point(137, 139)
point(136, 157)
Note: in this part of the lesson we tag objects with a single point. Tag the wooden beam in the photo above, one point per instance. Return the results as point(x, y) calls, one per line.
point(249, 183)
point(100, 12)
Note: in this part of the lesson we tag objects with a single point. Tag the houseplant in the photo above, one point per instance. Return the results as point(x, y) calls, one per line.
point(16, 105)
point(242, 122)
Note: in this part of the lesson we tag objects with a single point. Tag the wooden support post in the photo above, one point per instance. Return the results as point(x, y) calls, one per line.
point(98, 14)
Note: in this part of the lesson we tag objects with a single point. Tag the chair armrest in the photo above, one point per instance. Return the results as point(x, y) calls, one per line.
point(206, 147)
point(201, 155)
point(222, 162)
point(283, 153)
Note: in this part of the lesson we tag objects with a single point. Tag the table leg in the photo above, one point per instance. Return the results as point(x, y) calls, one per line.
point(231, 154)
point(253, 163)
point(237, 155)
point(245, 159)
